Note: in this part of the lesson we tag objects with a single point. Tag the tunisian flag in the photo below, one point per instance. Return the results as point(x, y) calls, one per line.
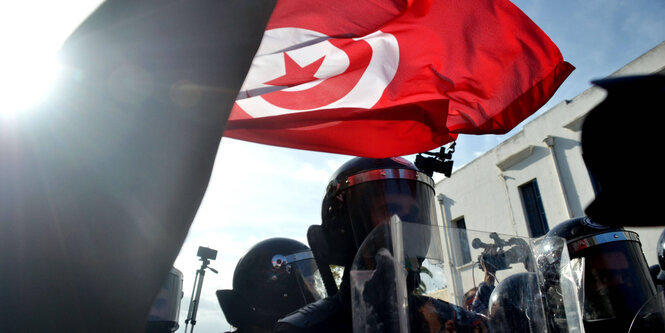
point(391, 78)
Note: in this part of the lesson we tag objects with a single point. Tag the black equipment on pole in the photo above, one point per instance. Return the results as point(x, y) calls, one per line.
point(440, 162)
point(206, 254)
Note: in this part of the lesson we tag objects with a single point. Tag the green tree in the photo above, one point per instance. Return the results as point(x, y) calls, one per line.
point(422, 288)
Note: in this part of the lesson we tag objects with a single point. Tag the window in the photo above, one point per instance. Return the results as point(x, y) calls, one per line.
point(533, 209)
point(461, 242)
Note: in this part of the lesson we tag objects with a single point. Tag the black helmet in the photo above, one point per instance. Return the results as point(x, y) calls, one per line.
point(275, 277)
point(515, 305)
point(617, 282)
point(364, 193)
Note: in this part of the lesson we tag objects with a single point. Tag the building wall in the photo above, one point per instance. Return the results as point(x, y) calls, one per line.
point(485, 192)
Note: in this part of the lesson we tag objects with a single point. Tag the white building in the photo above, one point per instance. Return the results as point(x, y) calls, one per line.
point(532, 181)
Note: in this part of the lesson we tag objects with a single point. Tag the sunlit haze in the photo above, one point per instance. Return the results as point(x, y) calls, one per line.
point(31, 33)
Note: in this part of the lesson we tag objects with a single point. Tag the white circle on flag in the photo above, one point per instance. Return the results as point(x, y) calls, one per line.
point(305, 47)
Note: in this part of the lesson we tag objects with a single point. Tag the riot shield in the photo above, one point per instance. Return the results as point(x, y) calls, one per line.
point(409, 277)
point(378, 282)
point(561, 285)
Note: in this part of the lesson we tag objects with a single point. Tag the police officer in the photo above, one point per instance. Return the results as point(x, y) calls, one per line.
point(616, 281)
point(275, 277)
point(363, 194)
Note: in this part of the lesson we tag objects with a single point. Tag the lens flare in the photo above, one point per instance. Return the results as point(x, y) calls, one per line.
point(25, 80)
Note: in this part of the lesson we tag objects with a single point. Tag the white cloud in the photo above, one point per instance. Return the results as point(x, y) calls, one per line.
point(308, 172)
point(333, 165)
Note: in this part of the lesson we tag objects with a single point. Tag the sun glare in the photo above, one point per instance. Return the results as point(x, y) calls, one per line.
point(31, 33)
point(26, 80)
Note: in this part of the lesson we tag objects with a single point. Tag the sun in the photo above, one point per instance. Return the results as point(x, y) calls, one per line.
point(31, 33)
point(26, 78)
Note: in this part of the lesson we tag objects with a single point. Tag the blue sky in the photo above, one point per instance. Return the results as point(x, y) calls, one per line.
point(257, 191)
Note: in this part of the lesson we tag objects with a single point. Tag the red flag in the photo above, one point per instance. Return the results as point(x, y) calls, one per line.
point(380, 79)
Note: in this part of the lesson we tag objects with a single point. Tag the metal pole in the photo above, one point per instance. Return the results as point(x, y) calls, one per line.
point(191, 301)
point(454, 274)
point(196, 294)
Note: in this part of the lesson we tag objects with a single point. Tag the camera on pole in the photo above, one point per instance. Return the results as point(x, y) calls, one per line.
point(205, 254)
point(440, 162)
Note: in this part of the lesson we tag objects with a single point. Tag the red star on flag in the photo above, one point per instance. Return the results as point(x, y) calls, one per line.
point(295, 74)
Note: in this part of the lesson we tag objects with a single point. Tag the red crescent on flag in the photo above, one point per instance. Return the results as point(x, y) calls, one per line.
point(298, 70)
point(331, 89)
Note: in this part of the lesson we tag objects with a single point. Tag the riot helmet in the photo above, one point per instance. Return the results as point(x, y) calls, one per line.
point(516, 305)
point(275, 277)
point(364, 193)
point(615, 280)
point(362, 196)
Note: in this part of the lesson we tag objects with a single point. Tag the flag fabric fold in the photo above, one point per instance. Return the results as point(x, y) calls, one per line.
point(381, 79)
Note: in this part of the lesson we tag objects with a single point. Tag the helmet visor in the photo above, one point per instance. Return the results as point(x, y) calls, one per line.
point(616, 282)
point(373, 203)
point(303, 274)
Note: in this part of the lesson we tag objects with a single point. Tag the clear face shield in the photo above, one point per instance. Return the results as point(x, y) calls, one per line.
point(300, 272)
point(411, 277)
point(373, 197)
point(268, 285)
point(614, 285)
point(166, 306)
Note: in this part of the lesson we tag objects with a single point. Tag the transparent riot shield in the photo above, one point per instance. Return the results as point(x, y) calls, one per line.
point(561, 284)
point(163, 316)
point(409, 277)
point(378, 282)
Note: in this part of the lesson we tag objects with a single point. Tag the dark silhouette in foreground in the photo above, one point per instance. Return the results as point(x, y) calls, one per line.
point(99, 184)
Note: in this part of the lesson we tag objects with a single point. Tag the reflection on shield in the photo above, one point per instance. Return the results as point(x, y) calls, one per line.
point(405, 278)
